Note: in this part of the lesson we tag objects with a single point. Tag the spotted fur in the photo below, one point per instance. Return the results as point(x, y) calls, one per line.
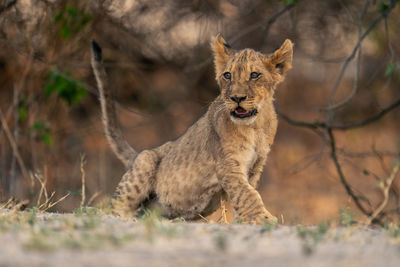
point(220, 155)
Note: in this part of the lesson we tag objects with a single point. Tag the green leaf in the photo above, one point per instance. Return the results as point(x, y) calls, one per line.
point(37, 126)
point(389, 69)
point(365, 172)
point(75, 192)
point(87, 18)
point(46, 138)
point(347, 216)
point(383, 7)
point(22, 114)
point(70, 21)
point(65, 32)
point(65, 86)
point(72, 11)
point(58, 16)
point(42, 132)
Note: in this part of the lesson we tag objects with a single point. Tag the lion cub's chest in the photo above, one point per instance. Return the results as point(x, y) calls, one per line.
point(251, 146)
point(258, 148)
point(249, 158)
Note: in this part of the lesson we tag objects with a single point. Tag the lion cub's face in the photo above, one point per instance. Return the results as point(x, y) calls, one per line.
point(248, 78)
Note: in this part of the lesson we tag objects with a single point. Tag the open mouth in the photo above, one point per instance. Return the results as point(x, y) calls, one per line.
point(241, 113)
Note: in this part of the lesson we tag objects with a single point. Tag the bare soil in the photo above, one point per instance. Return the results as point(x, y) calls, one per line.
point(44, 239)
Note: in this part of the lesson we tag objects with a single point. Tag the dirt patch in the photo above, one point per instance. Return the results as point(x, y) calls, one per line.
point(30, 239)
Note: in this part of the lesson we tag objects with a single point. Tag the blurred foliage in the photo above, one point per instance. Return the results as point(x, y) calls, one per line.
point(71, 20)
point(383, 6)
point(392, 67)
point(289, 2)
point(347, 216)
point(42, 131)
point(22, 109)
point(65, 87)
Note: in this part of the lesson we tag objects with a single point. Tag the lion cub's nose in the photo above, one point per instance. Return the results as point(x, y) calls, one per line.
point(238, 99)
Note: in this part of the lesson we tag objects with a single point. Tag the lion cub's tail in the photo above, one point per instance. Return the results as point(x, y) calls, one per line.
point(112, 129)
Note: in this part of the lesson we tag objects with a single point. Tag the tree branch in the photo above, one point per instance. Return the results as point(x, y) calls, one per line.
point(331, 106)
point(14, 146)
point(8, 5)
point(385, 187)
point(344, 126)
point(346, 185)
point(265, 23)
point(356, 73)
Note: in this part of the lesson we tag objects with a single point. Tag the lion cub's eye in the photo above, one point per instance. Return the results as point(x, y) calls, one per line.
point(227, 75)
point(254, 75)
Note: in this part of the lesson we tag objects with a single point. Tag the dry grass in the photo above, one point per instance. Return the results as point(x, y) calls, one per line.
point(43, 204)
point(385, 187)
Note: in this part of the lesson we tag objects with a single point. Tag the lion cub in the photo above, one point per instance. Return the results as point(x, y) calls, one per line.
point(222, 154)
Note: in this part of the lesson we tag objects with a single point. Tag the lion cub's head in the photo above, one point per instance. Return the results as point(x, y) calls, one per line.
point(248, 78)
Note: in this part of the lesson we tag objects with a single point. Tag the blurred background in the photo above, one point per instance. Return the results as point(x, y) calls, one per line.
point(346, 70)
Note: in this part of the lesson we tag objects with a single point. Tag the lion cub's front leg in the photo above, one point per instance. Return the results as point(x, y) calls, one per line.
point(244, 198)
point(256, 171)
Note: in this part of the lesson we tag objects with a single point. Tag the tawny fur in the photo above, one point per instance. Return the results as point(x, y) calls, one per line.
point(219, 155)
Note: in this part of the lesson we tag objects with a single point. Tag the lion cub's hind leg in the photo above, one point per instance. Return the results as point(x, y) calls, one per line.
point(136, 184)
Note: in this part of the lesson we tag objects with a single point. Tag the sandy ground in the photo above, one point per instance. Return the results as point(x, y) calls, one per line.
point(29, 239)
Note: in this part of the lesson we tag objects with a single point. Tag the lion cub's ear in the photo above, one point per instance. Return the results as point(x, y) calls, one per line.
point(281, 59)
point(222, 52)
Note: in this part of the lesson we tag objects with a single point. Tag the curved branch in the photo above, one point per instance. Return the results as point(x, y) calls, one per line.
point(356, 74)
point(344, 126)
point(266, 23)
point(331, 106)
point(343, 180)
point(8, 5)
point(385, 187)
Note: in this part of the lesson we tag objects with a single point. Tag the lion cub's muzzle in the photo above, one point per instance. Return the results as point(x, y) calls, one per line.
point(239, 111)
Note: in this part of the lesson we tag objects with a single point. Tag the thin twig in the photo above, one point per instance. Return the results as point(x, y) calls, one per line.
point(8, 5)
point(223, 218)
point(346, 185)
point(42, 189)
point(343, 126)
point(55, 203)
point(367, 154)
point(14, 146)
point(381, 160)
point(47, 202)
point(83, 177)
point(265, 23)
point(5, 205)
point(308, 161)
point(93, 197)
point(368, 120)
point(203, 218)
point(391, 54)
point(358, 61)
point(385, 187)
point(14, 106)
point(351, 57)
